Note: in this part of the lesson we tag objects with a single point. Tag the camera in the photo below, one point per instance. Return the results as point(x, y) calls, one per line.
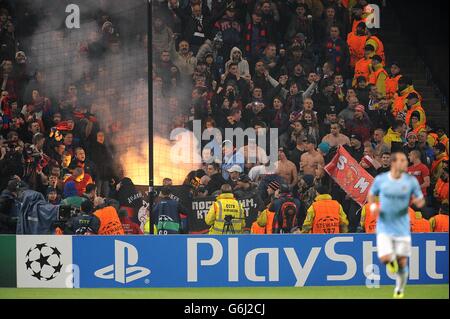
point(30, 153)
point(228, 218)
point(66, 212)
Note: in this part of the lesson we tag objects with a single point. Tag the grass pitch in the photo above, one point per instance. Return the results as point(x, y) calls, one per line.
point(343, 292)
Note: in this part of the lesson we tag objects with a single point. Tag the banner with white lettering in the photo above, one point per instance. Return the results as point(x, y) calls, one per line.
point(350, 176)
point(197, 208)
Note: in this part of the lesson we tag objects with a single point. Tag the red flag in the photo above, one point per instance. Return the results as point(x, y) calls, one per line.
point(80, 115)
point(63, 126)
point(350, 176)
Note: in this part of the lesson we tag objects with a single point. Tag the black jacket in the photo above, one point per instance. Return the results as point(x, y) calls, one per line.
point(215, 183)
point(83, 224)
point(8, 212)
point(191, 26)
point(356, 154)
point(102, 159)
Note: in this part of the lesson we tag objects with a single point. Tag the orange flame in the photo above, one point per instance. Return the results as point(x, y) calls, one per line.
point(136, 166)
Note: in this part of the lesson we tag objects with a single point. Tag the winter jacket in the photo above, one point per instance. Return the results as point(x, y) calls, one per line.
point(242, 64)
point(36, 215)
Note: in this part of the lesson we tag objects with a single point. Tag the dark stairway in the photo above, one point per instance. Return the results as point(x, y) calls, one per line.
point(399, 48)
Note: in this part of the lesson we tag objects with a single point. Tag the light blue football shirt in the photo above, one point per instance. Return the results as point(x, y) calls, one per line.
point(395, 196)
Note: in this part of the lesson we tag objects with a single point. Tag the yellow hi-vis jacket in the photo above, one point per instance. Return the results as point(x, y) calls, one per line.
point(224, 205)
point(147, 228)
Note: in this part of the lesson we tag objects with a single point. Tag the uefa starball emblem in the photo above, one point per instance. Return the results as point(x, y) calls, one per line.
point(43, 262)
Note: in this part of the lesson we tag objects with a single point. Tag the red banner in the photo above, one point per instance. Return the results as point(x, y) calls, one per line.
point(350, 176)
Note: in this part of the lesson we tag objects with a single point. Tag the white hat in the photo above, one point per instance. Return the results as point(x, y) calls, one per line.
point(235, 168)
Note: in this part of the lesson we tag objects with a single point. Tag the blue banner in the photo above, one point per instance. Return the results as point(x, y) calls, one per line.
point(260, 260)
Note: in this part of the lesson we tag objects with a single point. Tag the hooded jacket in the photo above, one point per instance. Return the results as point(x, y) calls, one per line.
point(392, 136)
point(9, 209)
point(129, 196)
point(36, 215)
point(400, 101)
point(102, 158)
point(242, 64)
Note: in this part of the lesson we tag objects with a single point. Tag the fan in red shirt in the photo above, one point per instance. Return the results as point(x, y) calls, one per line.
point(419, 170)
point(81, 180)
point(129, 227)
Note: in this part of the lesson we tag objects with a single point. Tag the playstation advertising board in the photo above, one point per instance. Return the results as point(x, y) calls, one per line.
point(216, 261)
point(273, 260)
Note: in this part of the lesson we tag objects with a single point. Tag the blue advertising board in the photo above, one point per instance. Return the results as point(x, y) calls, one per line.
point(263, 260)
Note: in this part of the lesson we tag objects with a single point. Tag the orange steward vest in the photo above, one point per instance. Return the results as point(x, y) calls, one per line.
point(109, 221)
point(326, 217)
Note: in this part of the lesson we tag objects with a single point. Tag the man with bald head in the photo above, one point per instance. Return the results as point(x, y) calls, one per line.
point(197, 27)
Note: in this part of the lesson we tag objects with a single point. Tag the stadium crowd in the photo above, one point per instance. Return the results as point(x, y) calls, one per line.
point(310, 68)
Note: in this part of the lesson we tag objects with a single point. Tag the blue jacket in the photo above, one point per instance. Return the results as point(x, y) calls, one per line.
point(166, 217)
point(9, 209)
point(36, 215)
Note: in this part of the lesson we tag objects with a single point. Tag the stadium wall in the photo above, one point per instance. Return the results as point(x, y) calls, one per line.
point(211, 261)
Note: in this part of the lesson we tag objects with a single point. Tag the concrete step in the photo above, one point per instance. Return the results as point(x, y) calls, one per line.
point(431, 100)
point(441, 117)
point(432, 109)
point(436, 114)
point(425, 91)
point(404, 59)
point(420, 82)
point(409, 69)
point(396, 42)
point(443, 124)
point(414, 75)
point(399, 48)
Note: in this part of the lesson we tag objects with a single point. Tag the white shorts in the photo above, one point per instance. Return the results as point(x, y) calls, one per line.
point(388, 245)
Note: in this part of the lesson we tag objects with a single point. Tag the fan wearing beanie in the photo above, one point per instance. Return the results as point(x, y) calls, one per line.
point(323, 148)
point(370, 165)
point(271, 190)
point(360, 124)
point(414, 105)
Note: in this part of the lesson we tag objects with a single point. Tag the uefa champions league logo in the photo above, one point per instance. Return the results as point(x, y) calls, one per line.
point(43, 262)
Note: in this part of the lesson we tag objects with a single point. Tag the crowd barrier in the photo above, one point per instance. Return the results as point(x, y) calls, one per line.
point(211, 261)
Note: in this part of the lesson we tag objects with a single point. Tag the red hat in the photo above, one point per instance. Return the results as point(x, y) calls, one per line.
point(359, 108)
point(368, 160)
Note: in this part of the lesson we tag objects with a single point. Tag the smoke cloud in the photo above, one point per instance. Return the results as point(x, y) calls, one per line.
point(107, 60)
